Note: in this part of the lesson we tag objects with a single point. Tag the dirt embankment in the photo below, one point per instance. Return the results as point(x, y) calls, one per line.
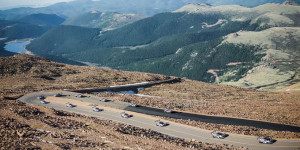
point(221, 100)
point(22, 74)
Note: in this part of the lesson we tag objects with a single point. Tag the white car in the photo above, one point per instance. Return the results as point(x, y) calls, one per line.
point(125, 115)
point(43, 102)
point(133, 105)
point(96, 109)
point(104, 100)
point(70, 105)
point(160, 123)
point(168, 110)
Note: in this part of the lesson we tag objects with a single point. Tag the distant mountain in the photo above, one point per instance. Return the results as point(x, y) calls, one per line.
point(247, 3)
point(141, 7)
point(291, 2)
point(222, 44)
point(42, 19)
point(104, 20)
point(11, 30)
point(78, 7)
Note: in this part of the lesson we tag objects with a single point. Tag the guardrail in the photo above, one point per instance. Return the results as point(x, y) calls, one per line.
point(124, 87)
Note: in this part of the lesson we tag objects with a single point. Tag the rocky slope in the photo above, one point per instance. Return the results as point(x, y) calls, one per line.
point(36, 127)
point(279, 67)
point(24, 74)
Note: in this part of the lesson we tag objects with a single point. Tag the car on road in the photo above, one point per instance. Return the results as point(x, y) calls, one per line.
point(96, 109)
point(58, 95)
point(266, 140)
point(104, 100)
point(168, 110)
point(70, 105)
point(42, 97)
point(125, 115)
point(133, 105)
point(43, 102)
point(160, 123)
point(80, 96)
point(219, 135)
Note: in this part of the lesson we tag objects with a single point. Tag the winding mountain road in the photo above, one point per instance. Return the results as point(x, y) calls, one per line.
point(112, 110)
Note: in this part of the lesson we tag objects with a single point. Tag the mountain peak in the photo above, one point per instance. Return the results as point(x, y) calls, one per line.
point(203, 4)
point(291, 2)
point(94, 11)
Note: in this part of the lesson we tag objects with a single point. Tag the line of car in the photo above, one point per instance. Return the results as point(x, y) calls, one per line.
point(219, 135)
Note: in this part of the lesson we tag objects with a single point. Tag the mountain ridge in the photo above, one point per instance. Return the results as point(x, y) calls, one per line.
point(104, 20)
point(185, 44)
point(143, 7)
point(42, 19)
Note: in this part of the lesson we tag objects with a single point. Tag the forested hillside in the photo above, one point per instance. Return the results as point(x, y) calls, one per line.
point(11, 30)
point(42, 19)
point(104, 20)
point(14, 30)
point(190, 42)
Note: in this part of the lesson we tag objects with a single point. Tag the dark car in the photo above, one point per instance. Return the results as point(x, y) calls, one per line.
point(58, 95)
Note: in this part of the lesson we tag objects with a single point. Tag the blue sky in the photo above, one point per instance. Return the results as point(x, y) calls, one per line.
point(4, 4)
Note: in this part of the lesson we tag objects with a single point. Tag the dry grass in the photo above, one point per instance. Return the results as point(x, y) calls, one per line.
point(22, 74)
point(202, 98)
point(221, 100)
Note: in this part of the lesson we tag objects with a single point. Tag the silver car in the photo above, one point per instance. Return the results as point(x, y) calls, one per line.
point(133, 105)
point(70, 105)
point(160, 123)
point(125, 115)
point(79, 95)
point(104, 100)
point(42, 97)
point(43, 102)
point(219, 135)
point(96, 109)
point(266, 140)
point(168, 110)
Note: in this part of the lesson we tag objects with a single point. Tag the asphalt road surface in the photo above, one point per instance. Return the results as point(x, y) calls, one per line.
point(147, 121)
